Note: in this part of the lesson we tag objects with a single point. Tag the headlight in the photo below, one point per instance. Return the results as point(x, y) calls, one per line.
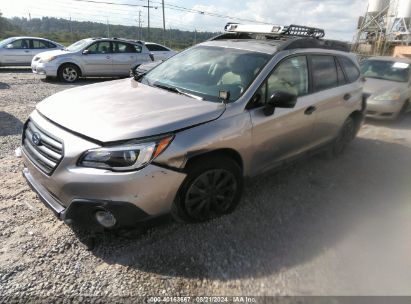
point(130, 156)
point(47, 59)
point(390, 95)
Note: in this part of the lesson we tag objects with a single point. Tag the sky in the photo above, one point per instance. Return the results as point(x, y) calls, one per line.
point(337, 17)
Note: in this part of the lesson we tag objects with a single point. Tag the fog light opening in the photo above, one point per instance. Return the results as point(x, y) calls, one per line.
point(105, 218)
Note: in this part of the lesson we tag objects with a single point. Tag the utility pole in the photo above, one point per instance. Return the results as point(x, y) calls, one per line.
point(139, 25)
point(71, 30)
point(164, 24)
point(108, 29)
point(148, 19)
point(170, 36)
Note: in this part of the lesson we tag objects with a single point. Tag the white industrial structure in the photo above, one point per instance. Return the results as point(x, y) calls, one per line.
point(386, 24)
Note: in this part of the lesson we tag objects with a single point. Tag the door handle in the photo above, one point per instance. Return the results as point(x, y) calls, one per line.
point(310, 110)
point(347, 96)
point(108, 57)
point(26, 51)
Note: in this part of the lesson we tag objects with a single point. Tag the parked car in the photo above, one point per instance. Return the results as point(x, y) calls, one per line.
point(19, 51)
point(183, 136)
point(159, 51)
point(388, 85)
point(92, 57)
point(144, 68)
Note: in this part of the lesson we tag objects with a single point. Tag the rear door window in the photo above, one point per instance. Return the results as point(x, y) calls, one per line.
point(39, 44)
point(121, 47)
point(350, 69)
point(324, 72)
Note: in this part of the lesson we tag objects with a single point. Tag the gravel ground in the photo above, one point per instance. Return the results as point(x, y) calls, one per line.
point(318, 227)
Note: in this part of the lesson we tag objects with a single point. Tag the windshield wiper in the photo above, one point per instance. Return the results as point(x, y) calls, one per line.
point(176, 90)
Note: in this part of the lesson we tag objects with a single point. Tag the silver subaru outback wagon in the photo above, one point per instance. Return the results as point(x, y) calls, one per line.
point(182, 137)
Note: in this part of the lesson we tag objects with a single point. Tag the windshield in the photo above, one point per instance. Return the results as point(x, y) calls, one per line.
point(6, 42)
point(205, 71)
point(387, 70)
point(77, 46)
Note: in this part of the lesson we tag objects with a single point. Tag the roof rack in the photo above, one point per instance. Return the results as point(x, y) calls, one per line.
point(275, 30)
point(309, 43)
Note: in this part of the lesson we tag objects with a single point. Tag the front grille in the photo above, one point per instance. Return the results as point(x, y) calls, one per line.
point(47, 152)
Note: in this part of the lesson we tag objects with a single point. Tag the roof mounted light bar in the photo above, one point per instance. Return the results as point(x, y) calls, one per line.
point(276, 30)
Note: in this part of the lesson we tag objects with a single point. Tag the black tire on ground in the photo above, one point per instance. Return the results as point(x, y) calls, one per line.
point(49, 79)
point(345, 136)
point(68, 73)
point(404, 110)
point(213, 187)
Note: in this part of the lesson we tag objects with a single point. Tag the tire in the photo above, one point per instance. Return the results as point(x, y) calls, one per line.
point(213, 187)
point(345, 136)
point(69, 73)
point(404, 110)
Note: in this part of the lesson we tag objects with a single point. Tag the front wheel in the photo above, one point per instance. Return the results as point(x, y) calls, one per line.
point(69, 73)
point(213, 187)
point(404, 110)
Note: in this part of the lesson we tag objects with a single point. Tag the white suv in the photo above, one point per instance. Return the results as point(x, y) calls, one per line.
point(92, 57)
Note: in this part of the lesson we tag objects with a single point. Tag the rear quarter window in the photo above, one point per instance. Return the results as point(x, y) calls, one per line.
point(50, 44)
point(351, 70)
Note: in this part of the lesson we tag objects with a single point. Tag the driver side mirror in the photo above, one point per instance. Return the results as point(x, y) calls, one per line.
point(279, 99)
point(86, 52)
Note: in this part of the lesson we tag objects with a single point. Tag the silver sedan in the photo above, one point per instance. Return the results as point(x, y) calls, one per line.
point(92, 57)
point(388, 85)
point(19, 51)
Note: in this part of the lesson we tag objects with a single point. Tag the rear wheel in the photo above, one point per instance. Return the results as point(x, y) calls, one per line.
point(345, 136)
point(69, 73)
point(212, 187)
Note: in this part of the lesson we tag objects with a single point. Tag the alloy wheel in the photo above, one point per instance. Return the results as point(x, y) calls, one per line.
point(69, 74)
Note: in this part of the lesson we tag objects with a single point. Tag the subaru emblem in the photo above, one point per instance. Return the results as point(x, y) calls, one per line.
point(36, 138)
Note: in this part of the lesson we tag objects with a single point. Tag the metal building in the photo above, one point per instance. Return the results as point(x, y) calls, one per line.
point(386, 24)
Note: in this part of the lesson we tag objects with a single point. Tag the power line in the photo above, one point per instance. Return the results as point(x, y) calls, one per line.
point(99, 13)
point(175, 7)
point(112, 3)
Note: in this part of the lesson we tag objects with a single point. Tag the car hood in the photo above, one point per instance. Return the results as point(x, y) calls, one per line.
point(125, 109)
point(375, 86)
point(52, 53)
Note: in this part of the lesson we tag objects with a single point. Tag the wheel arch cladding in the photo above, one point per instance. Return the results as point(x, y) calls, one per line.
point(223, 152)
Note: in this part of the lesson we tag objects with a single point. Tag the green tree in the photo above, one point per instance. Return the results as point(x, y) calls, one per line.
point(66, 31)
point(7, 29)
